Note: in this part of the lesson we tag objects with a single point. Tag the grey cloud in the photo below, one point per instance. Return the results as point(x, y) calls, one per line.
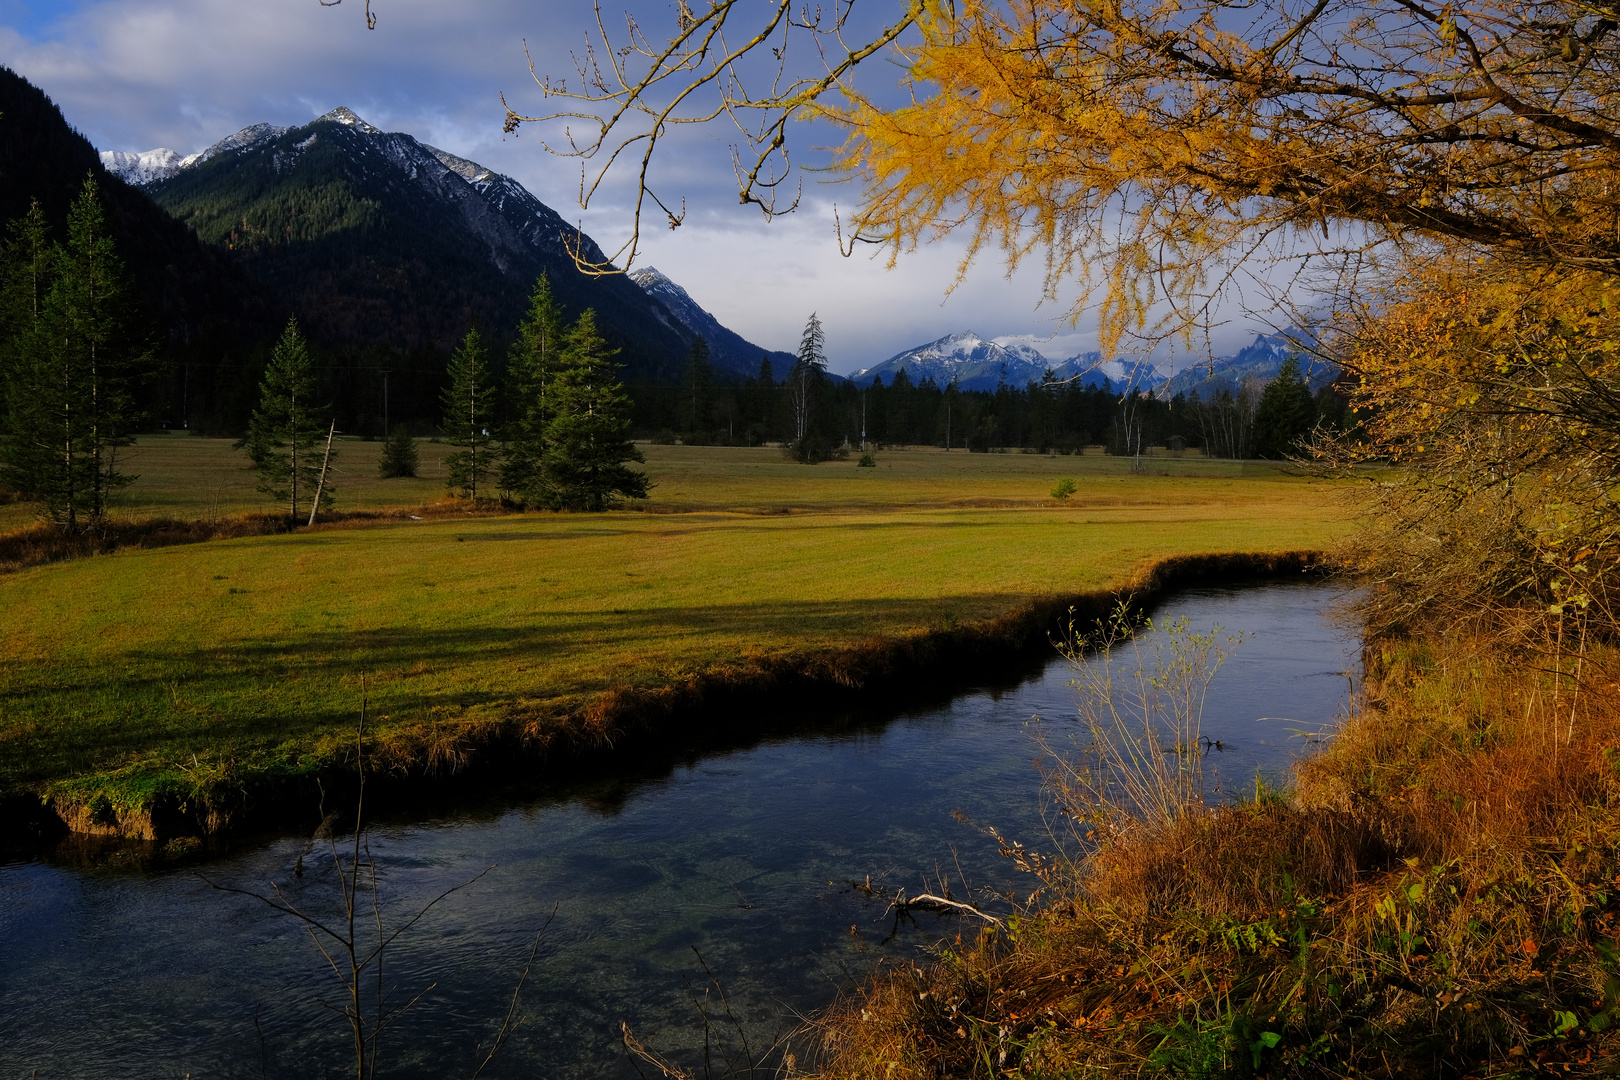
point(139, 74)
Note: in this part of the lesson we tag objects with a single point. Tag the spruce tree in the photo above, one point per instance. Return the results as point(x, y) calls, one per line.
point(27, 265)
point(468, 409)
point(530, 371)
point(70, 354)
point(588, 435)
point(288, 427)
point(1285, 414)
point(804, 389)
point(399, 456)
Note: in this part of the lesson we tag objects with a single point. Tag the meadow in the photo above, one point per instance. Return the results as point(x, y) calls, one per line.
point(146, 669)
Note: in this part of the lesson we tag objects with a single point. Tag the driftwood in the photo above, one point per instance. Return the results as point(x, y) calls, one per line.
point(929, 902)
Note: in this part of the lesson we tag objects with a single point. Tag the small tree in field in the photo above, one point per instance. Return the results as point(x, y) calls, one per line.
point(805, 386)
point(586, 466)
point(467, 407)
point(287, 426)
point(399, 456)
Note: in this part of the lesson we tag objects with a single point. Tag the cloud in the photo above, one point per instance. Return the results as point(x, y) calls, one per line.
point(139, 74)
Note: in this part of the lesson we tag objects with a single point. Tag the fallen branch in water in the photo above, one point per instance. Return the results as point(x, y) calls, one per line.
point(930, 902)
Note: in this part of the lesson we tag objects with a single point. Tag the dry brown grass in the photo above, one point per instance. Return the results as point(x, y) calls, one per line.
point(1438, 896)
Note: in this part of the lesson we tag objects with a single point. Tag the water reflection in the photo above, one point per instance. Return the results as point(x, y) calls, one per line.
point(745, 855)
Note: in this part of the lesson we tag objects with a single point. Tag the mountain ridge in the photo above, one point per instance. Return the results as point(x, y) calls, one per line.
point(973, 362)
point(376, 236)
point(728, 350)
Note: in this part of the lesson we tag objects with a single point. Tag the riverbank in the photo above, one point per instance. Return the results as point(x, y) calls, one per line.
point(1435, 895)
point(178, 816)
point(182, 692)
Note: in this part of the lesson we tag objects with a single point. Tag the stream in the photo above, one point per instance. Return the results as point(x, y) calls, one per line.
point(737, 864)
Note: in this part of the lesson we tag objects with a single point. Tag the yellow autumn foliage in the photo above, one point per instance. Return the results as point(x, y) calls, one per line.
point(1496, 390)
point(1148, 146)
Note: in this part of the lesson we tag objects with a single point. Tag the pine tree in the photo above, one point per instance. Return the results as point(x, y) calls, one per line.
point(399, 456)
point(69, 357)
point(468, 405)
point(1285, 413)
point(588, 443)
point(530, 371)
point(288, 426)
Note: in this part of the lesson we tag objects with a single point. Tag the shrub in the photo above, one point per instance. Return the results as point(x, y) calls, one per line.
point(1065, 487)
point(867, 462)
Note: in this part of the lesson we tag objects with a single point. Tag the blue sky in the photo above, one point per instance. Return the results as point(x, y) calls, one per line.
point(139, 74)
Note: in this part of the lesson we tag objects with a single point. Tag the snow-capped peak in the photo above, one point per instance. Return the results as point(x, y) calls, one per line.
point(245, 139)
point(655, 281)
point(150, 166)
point(345, 116)
point(141, 168)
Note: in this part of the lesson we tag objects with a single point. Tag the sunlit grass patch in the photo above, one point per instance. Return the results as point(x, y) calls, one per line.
point(252, 651)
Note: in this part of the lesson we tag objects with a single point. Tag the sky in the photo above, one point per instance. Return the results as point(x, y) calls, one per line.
point(140, 74)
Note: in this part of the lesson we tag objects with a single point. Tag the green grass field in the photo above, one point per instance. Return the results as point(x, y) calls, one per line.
point(251, 651)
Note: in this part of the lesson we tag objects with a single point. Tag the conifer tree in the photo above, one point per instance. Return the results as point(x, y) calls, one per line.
point(399, 456)
point(288, 426)
point(468, 408)
point(26, 264)
point(804, 387)
point(530, 371)
point(588, 441)
point(1285, 413)
point(69, 356)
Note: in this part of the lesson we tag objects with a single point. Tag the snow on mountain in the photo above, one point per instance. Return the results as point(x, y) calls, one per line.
point(727, 349)
point(1259, 361)
point(975, 363)
point(343, 115)
point(495, 208)
point(965, 358)
point(141, 168)
point(150, 166)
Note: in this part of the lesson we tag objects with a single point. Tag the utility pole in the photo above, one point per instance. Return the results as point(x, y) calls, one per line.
point(863, 419)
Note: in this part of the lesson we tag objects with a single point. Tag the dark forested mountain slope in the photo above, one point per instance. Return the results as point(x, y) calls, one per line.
point(196, 296)
point(373, 236)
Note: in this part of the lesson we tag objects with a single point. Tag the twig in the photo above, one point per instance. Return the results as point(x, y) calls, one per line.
point(505, 1031)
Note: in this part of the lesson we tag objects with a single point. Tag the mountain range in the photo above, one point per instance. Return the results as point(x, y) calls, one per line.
point(975, 363)
point(377, 235)
point(1260, 360)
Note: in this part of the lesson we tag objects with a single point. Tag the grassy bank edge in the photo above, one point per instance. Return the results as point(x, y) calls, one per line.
point(182, 807)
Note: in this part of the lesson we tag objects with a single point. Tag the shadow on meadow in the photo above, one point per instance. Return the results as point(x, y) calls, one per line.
point(281, 695)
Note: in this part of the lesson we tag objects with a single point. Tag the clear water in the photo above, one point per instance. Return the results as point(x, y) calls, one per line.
point(743, 857)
